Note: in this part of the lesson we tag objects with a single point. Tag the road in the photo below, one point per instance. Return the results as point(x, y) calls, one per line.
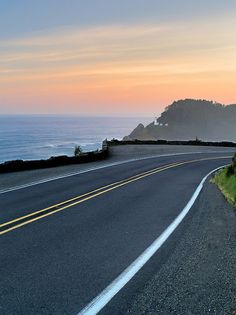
point(63, 242)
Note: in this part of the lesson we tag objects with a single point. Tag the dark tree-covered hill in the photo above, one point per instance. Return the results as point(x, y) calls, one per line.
point(190, 119)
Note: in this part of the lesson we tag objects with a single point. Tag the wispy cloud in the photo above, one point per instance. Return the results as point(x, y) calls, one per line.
point(121, 43)
point(116, 56)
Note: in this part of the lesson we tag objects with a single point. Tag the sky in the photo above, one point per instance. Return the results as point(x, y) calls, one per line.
point(110, 57)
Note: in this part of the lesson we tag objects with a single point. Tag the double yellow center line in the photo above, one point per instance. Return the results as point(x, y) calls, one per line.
point(40, 214)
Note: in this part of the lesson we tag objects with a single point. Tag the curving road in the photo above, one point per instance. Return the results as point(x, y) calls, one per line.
point(63, 242)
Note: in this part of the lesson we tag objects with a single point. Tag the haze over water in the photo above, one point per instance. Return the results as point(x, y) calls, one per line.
point(36, 137)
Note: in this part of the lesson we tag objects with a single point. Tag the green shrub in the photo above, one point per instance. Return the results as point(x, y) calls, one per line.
point(234, 164)
point(229, 171)
point(227, 185)
point(226, 181)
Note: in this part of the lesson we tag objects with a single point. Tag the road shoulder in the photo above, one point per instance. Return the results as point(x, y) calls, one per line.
point(199, 277)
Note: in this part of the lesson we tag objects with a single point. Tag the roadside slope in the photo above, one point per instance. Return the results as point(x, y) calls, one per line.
point(226, 181)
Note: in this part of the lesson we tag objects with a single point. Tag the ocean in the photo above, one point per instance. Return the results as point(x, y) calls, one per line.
point(38, 137)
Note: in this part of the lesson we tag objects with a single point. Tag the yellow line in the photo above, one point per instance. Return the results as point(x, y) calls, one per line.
point(77, 202)
point(95, 193)
point(81, 196)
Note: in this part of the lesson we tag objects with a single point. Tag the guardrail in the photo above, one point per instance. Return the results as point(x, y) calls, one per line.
point(23, 165)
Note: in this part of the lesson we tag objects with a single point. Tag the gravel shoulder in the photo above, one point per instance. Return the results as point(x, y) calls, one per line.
point(118, 154)
point(199, 276)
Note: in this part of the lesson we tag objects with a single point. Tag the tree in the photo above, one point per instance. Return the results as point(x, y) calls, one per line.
point(78, 151)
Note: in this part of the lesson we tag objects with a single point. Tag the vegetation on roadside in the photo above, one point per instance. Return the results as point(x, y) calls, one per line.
point(225, 179)
point(77, 151)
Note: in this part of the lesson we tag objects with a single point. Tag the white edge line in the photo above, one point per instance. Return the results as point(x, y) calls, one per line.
point(98, 303)
point(4, 191)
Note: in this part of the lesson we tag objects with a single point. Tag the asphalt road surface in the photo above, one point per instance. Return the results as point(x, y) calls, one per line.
point(63, 242)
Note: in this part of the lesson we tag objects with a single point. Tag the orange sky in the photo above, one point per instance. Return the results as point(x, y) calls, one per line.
point(119, 68)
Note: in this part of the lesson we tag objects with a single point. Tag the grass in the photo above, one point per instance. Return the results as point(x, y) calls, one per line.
point(225, 179)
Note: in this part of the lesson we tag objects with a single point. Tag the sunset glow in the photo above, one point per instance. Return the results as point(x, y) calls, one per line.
point(115, 68)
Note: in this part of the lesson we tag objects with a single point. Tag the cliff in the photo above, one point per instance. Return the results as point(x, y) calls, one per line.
point(190, 119)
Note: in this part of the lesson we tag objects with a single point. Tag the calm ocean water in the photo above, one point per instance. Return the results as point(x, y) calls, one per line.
point(35, 137)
